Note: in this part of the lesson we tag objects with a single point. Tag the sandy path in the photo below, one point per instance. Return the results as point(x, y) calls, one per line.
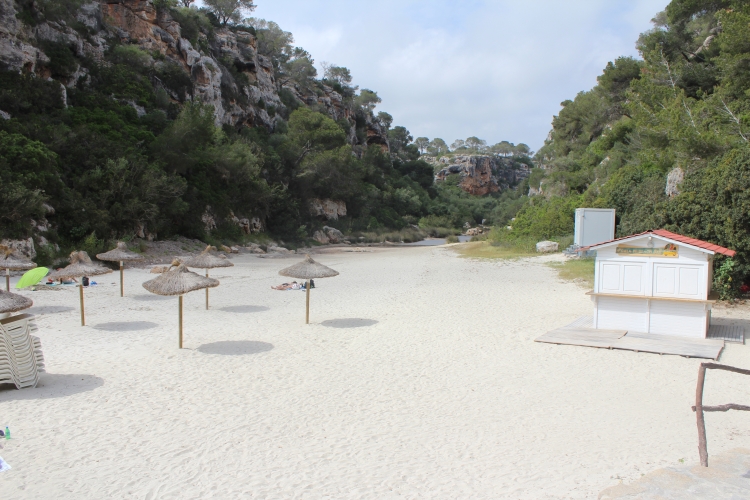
point(418, 379)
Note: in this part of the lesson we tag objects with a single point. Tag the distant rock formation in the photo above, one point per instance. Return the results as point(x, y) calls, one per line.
point(480, 175)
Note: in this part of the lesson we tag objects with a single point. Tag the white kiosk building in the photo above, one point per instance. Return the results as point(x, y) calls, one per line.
point(654, 282)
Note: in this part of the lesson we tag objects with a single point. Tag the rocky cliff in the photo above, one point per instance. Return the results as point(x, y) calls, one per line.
point(480, 175)
point(224, 66)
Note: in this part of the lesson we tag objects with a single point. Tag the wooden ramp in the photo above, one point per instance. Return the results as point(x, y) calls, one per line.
point(574, 334)
point(726, 332)
point(582, 336)
point(671, 344)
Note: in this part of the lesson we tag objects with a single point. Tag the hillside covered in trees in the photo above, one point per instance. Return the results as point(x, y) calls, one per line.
point(663, 140)
point(150, 119)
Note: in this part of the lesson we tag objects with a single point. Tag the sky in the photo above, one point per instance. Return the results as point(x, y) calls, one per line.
point(497, 69)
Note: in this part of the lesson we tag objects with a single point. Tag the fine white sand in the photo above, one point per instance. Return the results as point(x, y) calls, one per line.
point(418, 378)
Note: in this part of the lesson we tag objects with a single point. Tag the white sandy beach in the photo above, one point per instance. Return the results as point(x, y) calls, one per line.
point(418, 378)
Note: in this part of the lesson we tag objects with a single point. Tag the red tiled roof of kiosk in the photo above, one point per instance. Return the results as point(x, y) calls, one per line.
point(676, 237)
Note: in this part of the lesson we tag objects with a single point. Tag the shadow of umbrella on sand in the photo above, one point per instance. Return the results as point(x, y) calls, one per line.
point(80, 265)
point(178, 280)
point(308, 269)
point(206, 260)
point(120, 253)
point(11, 262)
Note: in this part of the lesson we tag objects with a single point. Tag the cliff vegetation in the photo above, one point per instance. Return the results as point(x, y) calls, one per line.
point(152, 118)
point(662, 139)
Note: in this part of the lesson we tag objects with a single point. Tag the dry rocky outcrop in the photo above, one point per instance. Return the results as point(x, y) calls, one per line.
point(329, 209)
point(480, 174)
point(210, 65)
point(329, 235)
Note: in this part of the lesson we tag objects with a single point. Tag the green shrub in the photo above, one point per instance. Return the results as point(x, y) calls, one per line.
point(724, 281)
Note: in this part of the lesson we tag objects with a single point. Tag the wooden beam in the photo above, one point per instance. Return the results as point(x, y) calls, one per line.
point(702, 446)
point(726, 407)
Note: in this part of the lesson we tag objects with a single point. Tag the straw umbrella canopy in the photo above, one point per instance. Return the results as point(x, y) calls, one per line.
point(12, 302)
point(308, 269)
point(206, 260)
point(120, 254)
point(11, 262)
point(178, 280)
point(80, 265)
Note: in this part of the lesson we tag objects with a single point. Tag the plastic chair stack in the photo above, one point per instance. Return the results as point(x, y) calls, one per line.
point(21, 358)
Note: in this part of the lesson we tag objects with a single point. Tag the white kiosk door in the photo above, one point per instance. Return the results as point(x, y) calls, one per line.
point(679, 281)
point(622, 278)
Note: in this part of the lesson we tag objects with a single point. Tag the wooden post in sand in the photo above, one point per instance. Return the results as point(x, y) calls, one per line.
point(83, 314)
point(702, 446)
point(206, 291)
point(699, 408)
point(122, 290)
point(180, 321)
point(7, 279)
point(307, 308)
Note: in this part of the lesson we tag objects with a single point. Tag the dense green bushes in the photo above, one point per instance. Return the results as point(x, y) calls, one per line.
point(124, 150)
point(685, 105)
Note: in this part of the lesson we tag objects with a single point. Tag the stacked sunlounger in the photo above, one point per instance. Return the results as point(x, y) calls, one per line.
point(21, 358)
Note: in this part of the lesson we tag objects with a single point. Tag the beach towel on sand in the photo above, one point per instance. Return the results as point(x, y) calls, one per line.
point(4, 465)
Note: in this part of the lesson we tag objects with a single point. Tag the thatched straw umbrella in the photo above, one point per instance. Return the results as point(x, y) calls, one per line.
point(178, 280)
point(80, 265)
point(12, 302)
point(308, 269)
point(11, 262)
point(206, 260)
point(120, 253)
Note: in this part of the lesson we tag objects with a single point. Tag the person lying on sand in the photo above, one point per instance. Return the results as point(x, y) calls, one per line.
point(287, 286)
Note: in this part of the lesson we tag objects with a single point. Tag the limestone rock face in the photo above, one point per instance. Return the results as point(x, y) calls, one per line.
point(22, 247)
point(330, 209)
point(333, 234)
point(479, 174)
point(210, 64)
point(208, 220)
point(321, 237)
point(328, 235)
point(547, 246)
point(674, 179)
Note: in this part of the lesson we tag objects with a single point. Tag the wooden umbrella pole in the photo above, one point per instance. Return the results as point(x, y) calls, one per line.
point(122, 292)
point(702, 446)
point(7, 279)
point(307, 308)
point(83, 314)
point(206, 291)
point(180, 321)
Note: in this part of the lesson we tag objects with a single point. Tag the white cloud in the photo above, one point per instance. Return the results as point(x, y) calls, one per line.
point(495, 69)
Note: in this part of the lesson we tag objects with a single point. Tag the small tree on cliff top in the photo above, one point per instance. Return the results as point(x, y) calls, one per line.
point(437, 146)
point(229, 10)
point(422, 144)
point(338, 74)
